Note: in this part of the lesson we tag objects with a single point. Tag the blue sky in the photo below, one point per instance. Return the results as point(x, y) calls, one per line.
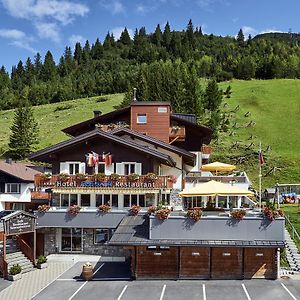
point(28, 26)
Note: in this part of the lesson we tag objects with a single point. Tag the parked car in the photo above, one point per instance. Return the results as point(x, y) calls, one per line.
point(4, 213)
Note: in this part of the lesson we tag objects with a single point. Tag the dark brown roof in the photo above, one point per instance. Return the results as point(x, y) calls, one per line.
point(150, 103)
point(189, 157)
point(164, 158)
point(20, 170)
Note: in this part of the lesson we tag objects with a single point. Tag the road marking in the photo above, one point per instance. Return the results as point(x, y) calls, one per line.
point(204, 292)
point(293, 297)
point(52, 281)
point(162, 292)
point(122, 293)
point(76, 292)
point(246, 292)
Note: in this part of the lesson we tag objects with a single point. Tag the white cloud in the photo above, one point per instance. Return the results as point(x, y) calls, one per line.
point(114, 6)
point(18, 39)
point(48, 31)
point(61, 11)
point(75, 38)
point(269, 31)
point(118, 30)
point(249, 30)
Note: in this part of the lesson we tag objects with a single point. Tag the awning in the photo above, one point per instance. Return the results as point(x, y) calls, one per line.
point(218, 166)
point(214, 188)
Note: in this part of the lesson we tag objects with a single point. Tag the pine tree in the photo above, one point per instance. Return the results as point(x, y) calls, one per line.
point(157, 36)
point(49, 68)
point(97, 50)
point(125, 38)
point(190, 34)
point(240, 37)
point(24, 130)
point(167, 36)
point(212, 96)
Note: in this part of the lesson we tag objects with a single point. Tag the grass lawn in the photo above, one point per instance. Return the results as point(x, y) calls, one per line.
point(291, 210)
point(54, 117)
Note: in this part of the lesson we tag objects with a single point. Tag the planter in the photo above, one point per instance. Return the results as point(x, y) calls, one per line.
point(42, 266)
point(87, 272)
point(14, 277)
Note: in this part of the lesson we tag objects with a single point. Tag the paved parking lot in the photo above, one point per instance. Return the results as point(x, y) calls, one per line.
point(112, 282)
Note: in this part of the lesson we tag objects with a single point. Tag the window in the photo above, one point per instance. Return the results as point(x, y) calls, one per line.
point(73, 199)
point(129, 168)
point(101, 236)
point(114, 200)
point(165, 199)
point(134, 199)
point(13, 188)
point(162, 109)
point(64, 200)
point(73, 168)
point(99, 200)
point(71, 239)
point(101, 167)
point(141, 119)
point(85, 200)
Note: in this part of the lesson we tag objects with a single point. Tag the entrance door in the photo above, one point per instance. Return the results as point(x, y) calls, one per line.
point(71, 239)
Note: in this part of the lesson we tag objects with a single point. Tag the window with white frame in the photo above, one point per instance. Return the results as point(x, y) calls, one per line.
point(134, 199)
point(101, 167)
point(13, 188)
point(73, 168)
point(102, 235)
point(129, 168)
point(141, 119)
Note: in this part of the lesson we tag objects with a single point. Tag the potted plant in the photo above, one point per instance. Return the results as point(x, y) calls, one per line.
point(238, 214)
point(104, 208)
point(80, 177)
point(151, 210)
point(114, 176)
point(172, 178)
point(63, 177)
point(42, 262)
point(194, 213)
point(43, 208)
point(151, 176)
point(134, 210)
point(74, 209)
point(15, 272)
point(100, 177)
point(133, 177)
point(163, 214)
point(272, 214)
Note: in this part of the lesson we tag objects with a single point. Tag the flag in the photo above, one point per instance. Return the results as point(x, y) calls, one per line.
point(95, 157)
point(261, 158)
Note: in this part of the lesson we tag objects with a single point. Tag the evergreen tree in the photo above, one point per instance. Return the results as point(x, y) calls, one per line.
point(49, 68)
point(24, 130)
point(38, 65)
point(167, 36)
point(190, 34)
point(97, 50)
point(212, 96)
point(125, 38)
point(157, 36)
point(240, 37)
point(78, 53)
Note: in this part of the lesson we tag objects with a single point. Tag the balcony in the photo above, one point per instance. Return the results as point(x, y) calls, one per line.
point(176, 133)
point(38, 195)
point(82, 181)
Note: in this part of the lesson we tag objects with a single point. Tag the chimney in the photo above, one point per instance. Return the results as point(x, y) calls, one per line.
point(134, 95)
point(8, 160)
point(97, 113)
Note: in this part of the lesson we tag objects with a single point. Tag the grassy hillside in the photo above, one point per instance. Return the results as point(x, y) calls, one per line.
point(267, 112)
point(54, 117)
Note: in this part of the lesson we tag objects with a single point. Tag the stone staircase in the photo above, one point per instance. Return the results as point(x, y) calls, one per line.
point(15, 256)
point(292, 253)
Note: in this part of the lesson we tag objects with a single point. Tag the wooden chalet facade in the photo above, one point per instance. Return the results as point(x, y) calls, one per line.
point(141, 155)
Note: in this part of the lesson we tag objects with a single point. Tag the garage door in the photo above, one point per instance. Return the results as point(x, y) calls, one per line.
point(157, 262)
point(194, 262)
point(260, 263)
point(227, 263)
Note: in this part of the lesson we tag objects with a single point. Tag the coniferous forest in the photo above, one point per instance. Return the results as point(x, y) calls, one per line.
point(174, 59)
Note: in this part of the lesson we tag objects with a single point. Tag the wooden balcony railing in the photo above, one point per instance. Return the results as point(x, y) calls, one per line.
point(97, 181)
point(38, 195)
point(176, 133)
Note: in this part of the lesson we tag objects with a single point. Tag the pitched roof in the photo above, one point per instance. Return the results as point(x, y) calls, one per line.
point(166, 159)
point(20, 170)
point(92, 122)
point(190, 157)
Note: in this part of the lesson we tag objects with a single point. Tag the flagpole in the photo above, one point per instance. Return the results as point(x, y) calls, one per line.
point(260, 175)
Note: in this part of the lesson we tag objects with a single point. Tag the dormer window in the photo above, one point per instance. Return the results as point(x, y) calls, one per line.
point(141, 119)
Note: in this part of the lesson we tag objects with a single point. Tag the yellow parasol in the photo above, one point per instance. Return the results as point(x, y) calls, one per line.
point(214, 188)
point(218, 166)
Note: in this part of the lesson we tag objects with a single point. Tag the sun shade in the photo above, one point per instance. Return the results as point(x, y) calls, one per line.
point(218, 166)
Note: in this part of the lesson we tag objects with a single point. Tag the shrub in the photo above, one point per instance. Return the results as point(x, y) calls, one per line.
point(63, 107)
point(41, 259)
point(101, 99)
point(114, 176)
point(133, 177)
point(100, 176)
point(15, 269)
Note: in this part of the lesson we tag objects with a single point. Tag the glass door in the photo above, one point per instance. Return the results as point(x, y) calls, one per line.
point(71, 239)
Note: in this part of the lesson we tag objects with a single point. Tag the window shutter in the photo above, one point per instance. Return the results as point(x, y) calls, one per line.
point(64, 168)
point(82, 168)
point(138, 168)
point(120, 168)
point(109, 169)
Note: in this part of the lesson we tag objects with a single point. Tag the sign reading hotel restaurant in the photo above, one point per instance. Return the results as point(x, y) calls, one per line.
point(18, 224)
point(109, 184)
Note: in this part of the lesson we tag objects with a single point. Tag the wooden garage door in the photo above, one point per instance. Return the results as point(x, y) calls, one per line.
point(159, 262)
point(227, 263)
point(260, 263)
point(194, 262)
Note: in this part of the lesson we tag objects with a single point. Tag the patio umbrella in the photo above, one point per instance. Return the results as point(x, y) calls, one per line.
point(218, 166)
point(214, 188)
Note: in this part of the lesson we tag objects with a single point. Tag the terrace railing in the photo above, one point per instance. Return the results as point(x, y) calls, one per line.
point(119, 181)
